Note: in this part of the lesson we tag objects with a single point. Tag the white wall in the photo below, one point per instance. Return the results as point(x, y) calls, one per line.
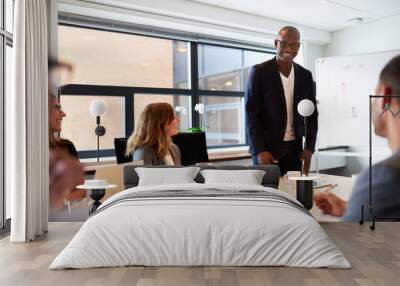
point(377, 36)
point(381, 35)
point(312, 52)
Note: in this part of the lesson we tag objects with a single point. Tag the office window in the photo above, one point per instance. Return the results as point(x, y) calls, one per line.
point(79, 125)
point(9, 13)
point(220, 68)
point(180, 103)
point(226, 69)
point(8, 89)
point(6, 19)
point(147, 69)
point(120, 59)
point(251, 58)
point(223, 119)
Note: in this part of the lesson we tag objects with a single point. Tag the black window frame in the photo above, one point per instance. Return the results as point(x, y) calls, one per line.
point(128, 92)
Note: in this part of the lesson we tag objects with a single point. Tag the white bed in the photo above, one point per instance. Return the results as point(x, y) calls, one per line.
point(184, 230)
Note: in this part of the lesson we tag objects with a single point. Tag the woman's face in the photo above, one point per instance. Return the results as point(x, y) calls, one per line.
point(56, 115)
point(172, 128)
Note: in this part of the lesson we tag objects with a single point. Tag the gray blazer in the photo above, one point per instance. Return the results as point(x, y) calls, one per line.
point(385, 191)
point(149, 157)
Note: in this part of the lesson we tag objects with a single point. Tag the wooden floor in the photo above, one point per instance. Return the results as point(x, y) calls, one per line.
point(375, 257)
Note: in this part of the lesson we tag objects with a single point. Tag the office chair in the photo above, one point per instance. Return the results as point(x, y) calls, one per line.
point(193, 147)
point(120, 148)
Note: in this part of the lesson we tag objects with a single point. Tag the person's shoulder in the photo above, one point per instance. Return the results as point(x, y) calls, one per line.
point(65, 141)
point(145, 153)
point(173, 145)
point(386, 174)
point(68, 146)
point(143, 150)
point(388, 167)
point(385, 183)
point(264, 66)
point(302, 69)
point(392, 163)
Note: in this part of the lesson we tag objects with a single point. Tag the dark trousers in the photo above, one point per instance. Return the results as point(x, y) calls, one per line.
point(289, 160)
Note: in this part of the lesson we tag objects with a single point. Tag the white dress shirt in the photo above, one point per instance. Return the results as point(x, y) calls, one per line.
point(288, 88)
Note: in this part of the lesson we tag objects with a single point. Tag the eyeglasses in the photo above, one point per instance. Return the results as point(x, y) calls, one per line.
point(58, 107)
point(284, 44)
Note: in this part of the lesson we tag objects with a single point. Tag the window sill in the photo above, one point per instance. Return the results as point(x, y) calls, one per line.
point(228, 149)
point(215, 155)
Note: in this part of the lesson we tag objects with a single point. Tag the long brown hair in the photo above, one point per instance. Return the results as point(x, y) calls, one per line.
point(150, 131)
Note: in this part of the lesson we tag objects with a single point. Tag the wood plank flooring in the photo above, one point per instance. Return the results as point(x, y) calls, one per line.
point(375, 257)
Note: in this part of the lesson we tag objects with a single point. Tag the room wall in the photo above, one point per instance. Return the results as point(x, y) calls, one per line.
point(312, 52)
point(377, 36)
point(381, 35)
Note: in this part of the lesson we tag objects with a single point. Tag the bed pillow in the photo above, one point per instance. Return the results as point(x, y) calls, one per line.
point(248, 177)
point(166, 176)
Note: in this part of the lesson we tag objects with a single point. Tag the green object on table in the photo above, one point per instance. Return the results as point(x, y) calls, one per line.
point(195, 129)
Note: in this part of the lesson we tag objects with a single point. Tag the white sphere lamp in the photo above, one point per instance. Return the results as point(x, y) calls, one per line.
point(305, 107)
point(97, 107)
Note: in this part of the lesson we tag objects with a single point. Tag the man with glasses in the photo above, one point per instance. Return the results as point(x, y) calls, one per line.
point(274, 89)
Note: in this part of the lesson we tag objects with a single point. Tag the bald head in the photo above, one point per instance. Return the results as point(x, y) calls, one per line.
point(289, 30)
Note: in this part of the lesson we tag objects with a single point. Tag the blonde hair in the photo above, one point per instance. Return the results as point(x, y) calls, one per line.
point(150, 130)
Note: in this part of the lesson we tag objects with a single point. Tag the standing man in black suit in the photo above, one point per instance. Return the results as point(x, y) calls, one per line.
point(274, 126)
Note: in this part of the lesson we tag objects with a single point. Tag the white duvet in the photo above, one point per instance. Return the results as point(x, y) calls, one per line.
point(200, 231)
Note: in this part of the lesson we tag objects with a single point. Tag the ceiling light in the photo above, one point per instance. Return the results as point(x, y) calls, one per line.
point(228, 83)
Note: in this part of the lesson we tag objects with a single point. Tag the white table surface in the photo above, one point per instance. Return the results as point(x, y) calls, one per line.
point(342, 190)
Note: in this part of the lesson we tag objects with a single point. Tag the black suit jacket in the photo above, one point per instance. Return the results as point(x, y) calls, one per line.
point(266, 108)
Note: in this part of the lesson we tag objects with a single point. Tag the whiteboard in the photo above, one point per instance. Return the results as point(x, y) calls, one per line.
point(343, 86)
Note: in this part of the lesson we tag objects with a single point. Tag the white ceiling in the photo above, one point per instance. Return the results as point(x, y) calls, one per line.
point(328, 15)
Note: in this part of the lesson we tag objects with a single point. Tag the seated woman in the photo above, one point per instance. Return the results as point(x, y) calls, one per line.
point(151, 141)
point(56, 115)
